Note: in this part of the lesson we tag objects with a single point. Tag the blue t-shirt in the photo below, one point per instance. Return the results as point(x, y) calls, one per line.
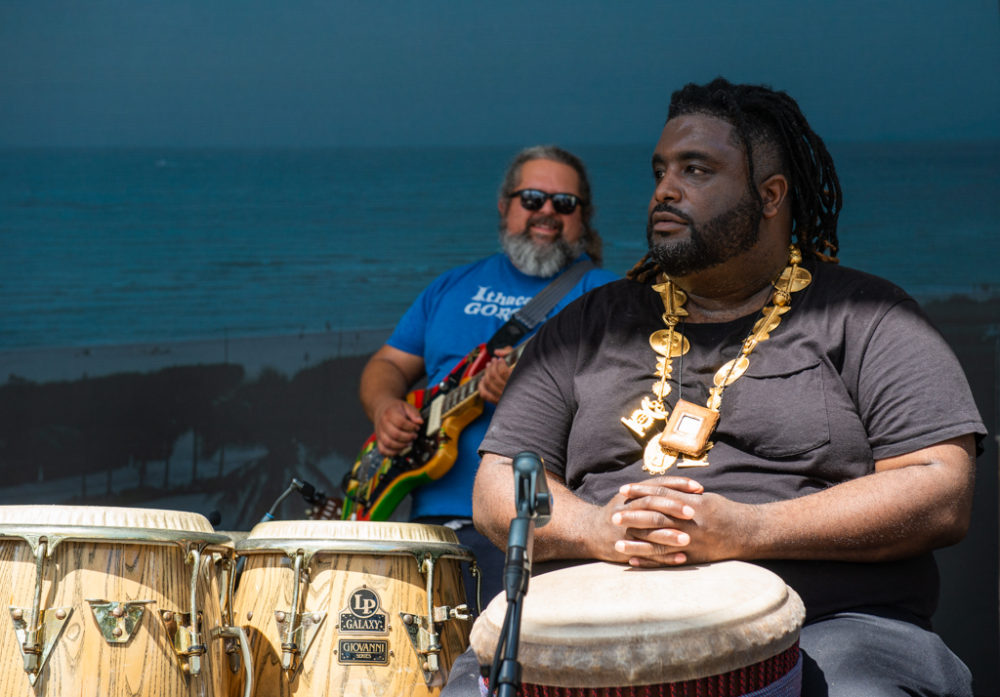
point(459, 310)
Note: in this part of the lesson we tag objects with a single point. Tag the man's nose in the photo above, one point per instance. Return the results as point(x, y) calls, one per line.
point(667, 188)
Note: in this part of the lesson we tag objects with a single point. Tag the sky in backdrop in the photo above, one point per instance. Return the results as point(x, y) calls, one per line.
point(441, 72)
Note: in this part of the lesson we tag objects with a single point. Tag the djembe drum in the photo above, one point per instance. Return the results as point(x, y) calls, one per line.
point(352, 609)
point(716, 630)
point(115, 602)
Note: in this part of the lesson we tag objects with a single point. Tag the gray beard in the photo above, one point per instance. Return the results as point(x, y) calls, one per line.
point(535, 260)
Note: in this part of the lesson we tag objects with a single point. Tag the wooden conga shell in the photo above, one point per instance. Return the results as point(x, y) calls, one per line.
point(606, 629)
point(107, 554)
point(363, 577)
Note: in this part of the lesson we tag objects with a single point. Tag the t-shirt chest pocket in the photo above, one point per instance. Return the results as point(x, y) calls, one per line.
point(777, 412)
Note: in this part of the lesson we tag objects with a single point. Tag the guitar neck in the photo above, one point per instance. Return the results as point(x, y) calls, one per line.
point(465, 391)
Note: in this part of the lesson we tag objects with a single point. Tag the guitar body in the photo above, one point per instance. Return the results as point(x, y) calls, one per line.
point(377, 484)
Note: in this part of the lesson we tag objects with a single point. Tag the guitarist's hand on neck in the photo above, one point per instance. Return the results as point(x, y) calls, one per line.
point(495, 376)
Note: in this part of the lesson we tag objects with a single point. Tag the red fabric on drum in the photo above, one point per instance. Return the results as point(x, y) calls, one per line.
point(741, 681)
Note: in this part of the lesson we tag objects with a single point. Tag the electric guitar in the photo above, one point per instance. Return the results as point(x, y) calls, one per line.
point(377, 483)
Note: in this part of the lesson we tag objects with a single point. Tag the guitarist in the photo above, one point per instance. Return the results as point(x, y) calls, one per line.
point(545, 227)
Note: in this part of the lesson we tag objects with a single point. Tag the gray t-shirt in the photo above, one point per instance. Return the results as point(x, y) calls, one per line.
point(854, 373)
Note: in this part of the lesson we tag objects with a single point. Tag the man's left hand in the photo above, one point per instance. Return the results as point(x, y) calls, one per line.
point(495, 376)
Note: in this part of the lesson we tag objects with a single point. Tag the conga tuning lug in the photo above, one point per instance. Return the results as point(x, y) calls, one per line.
point(237, 647)
point(426, 642)
point(302, 635)
point(443, 613)
point(187, 643)
point(118, 621)
point(36, 645)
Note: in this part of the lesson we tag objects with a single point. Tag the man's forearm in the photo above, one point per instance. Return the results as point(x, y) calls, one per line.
point(891, 514)
point(576, 530)
point(910, 505)
point(381, 382)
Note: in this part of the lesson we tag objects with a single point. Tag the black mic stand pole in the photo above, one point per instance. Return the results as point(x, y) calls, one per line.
point(534, 506)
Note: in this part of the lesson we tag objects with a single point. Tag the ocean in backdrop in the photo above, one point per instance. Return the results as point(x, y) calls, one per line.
point(105, 247)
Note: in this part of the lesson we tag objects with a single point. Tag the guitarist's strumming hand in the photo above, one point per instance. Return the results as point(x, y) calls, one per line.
point(387, 377)
point(495, 376)
point(396, 426)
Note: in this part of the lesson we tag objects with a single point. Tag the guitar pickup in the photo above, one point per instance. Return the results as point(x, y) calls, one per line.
point(433, 423)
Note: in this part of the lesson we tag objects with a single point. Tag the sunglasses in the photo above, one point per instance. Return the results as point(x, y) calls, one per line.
point(534, 199)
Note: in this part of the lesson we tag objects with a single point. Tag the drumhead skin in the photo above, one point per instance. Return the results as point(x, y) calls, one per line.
point(606, 625)
point(105, 516)
point(352, 530)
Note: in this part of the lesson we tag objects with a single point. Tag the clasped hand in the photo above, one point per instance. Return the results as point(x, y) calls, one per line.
point(669, 521)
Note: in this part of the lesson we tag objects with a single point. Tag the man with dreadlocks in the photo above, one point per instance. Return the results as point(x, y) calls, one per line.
point(741, 396)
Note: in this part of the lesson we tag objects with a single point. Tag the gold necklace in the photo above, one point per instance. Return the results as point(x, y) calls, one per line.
point(688, 426)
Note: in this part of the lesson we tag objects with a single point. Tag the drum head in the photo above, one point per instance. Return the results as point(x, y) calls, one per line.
point(606, 625)
point(105, 516)
point(362, 531)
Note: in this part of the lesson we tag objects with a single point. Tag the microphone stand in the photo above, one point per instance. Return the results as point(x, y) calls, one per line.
point(534, 507)
point(307, 490)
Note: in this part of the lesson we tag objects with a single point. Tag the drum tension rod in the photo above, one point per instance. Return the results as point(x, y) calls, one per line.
point(297, 631)
point(228, 592)
point(423, 630)
point(186, 640)
point(235, 641)
point(290, 649)
point(39, 633)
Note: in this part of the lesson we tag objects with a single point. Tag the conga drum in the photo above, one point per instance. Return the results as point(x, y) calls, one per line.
point(115, 602)
point(351, 608)
point(717, 630)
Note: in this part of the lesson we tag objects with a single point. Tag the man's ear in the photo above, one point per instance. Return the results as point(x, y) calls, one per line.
point(502, 205)
point(774, 194)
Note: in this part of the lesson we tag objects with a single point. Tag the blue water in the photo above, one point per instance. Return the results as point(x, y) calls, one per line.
point(122, 246)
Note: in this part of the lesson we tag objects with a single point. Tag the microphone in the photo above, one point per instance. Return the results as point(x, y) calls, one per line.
point(307, 490)
point(534, 508)
point(531, 489)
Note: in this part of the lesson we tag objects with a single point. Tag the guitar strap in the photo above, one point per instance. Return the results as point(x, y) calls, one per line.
point(529, 316)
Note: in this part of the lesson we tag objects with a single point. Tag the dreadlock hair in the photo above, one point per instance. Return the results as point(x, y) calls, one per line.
point(771, 122)
point(593, 244)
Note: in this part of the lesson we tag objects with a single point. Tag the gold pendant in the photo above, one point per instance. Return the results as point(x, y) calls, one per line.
point(689, 462)
point(763, 327)
point(655, 459)
point(672, 296)
point(667, 342)
point(688, 429)
point(731, 371)
point(794, 278)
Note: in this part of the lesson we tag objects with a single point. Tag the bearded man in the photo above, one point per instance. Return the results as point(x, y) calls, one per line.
point(741, 396)
point(545, 212)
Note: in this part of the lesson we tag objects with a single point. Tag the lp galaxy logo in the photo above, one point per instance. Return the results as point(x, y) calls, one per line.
point(362, 616)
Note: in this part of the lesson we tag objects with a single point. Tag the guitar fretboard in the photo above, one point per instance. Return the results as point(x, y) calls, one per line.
point(443, 405)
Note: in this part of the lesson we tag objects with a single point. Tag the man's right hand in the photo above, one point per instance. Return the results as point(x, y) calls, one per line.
point(396, 426)
point(387, 377)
